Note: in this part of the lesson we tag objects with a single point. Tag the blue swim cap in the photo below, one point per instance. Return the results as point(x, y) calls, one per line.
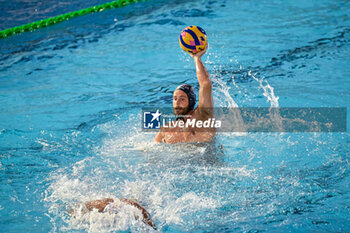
point(189, 90)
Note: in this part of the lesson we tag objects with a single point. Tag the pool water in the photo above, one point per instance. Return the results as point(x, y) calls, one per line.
point(71, 97)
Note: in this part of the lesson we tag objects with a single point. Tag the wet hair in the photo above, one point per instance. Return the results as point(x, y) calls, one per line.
point(189, 90)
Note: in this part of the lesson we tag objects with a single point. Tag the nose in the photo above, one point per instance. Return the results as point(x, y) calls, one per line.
point(177, 102)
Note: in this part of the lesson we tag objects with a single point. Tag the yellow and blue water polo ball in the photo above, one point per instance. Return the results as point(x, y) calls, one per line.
point(193, 39)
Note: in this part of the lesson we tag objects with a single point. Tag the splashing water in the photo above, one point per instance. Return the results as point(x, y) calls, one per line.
point(70, 129)
point(268, 90)
point(270, 97)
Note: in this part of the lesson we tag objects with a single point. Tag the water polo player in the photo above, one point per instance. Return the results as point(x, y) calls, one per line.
point(184, 97)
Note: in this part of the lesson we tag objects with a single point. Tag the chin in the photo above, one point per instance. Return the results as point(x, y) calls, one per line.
point(176, 113)
point(180, 112)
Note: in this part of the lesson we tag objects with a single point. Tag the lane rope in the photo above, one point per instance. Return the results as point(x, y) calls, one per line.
point(60, 18)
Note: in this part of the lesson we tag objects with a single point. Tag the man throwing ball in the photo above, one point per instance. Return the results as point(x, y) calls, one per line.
point(184, 100)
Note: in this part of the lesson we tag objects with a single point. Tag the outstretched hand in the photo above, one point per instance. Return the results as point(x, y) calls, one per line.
point(200, 53)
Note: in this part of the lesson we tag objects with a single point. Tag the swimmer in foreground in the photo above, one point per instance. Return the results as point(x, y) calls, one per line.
point(184, 100)
point(109, 205)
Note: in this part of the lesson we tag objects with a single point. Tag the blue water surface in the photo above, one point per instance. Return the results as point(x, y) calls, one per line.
point(70, 111)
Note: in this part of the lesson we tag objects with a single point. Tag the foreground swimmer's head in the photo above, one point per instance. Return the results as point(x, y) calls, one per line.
point(184, 99)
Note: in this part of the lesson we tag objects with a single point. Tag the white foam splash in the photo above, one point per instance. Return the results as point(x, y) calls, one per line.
point(268, 90)
point(270, 95)
point(225, 100)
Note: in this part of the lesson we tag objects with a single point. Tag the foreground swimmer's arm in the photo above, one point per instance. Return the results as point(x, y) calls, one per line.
point(146, 216)
point(100, 205)
point(205, 99)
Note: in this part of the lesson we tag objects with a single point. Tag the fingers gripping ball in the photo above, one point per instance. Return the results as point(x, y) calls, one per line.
point(193, 39)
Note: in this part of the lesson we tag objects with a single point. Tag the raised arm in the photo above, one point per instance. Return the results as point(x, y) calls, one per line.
point(205, 99)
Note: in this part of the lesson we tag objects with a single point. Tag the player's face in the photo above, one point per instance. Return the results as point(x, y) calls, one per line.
point(180, 102)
